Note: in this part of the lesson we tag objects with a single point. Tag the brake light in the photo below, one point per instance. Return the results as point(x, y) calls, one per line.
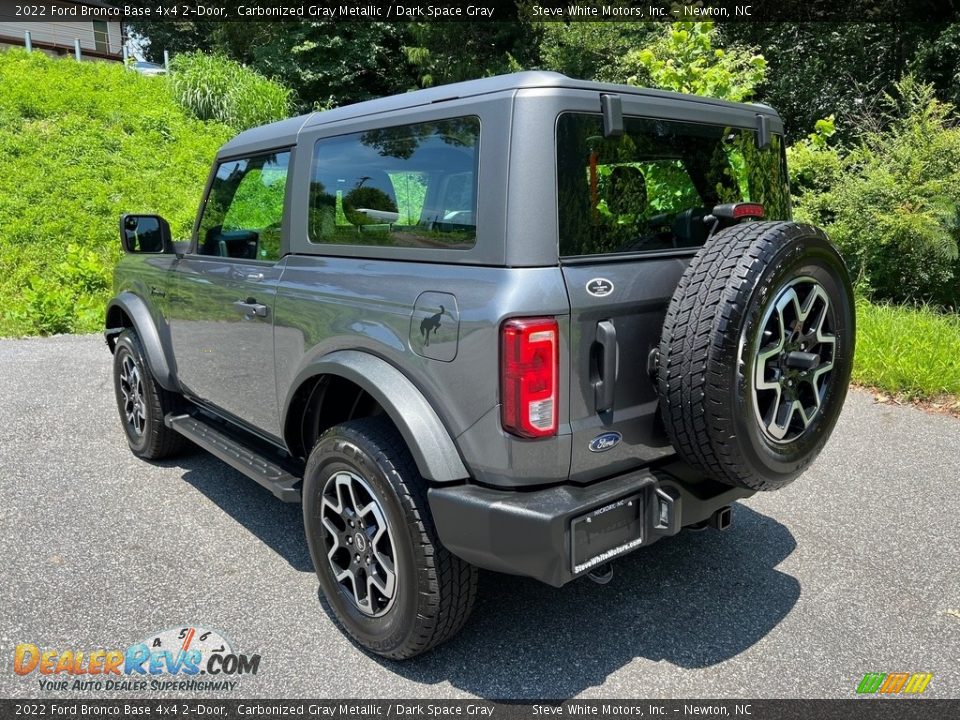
point(742, 210)
point(529, 376)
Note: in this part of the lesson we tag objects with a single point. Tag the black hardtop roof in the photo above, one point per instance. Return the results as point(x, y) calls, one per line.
point(286, 131)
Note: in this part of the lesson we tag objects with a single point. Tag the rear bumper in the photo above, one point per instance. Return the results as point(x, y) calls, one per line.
point(560, 533)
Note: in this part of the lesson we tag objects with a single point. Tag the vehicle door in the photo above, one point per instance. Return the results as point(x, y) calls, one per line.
point(222, 300)
point(632, 213)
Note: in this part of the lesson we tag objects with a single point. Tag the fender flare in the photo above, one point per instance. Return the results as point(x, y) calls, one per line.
point(153, 347)
point(430, 444)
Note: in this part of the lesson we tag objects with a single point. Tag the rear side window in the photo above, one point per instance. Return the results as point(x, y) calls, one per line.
point(405, 186)
point(650, 188)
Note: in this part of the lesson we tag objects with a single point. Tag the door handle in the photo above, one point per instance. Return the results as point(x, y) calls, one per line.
point(251, 308)
point(603, 388)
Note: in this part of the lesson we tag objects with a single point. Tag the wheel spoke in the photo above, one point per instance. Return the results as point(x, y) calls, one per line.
point(131, 390)
point(793, 359)
point(359, 544)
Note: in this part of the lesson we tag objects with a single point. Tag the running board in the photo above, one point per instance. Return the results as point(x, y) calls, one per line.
point(250, 463)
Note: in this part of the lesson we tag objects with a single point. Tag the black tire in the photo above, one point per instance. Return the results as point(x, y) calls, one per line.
point(146, 434)
point(738, 396)
point(434, 591)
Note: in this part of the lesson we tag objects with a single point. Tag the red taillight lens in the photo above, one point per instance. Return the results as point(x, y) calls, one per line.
point(529, 376)
point(742, 210)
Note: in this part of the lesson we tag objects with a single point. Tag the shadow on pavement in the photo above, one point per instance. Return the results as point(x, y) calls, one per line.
point(276, 523)
point(694, 600)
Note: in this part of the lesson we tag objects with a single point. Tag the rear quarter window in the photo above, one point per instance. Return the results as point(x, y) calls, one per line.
point(412, 186)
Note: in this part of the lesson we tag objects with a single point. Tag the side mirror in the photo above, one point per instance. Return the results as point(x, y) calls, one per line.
point(145, 234)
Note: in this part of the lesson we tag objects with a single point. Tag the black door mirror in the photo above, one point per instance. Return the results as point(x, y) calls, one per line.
point(145, 234)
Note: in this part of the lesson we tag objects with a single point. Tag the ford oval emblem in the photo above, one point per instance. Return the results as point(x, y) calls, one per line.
point(602, 443)
point(599, 287)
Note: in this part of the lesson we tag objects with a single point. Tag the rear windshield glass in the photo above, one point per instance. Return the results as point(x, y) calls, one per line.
point(404, 186)
point(650, 188)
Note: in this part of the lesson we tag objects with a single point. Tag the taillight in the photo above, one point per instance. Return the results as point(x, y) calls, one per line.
point(751, 210)
point(529, 376)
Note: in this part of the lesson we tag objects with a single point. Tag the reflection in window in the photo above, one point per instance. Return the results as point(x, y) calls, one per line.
point(244, 210)
point(651, 188)
point(406, 186)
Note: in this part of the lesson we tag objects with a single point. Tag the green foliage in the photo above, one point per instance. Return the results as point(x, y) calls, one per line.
point(814, 164)
point(81, 143)
point(913, 351)
point(819, 68)
point(592, 50)
point(685, 58)
point(324, 63)
point(450, 52)
point(891, 203)
point(213, 87)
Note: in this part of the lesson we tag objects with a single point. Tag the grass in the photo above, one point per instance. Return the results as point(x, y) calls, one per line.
point(81, 143)
point(908, 352)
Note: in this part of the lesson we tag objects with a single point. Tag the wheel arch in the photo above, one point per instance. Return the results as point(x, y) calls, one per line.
point(389, 389)
point(128, 310)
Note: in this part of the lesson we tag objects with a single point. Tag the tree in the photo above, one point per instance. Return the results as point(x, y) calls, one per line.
point(892, 203)
point(685, 58)
point(818, 69)
point(450, 52)
point(324, 63)
point(592, 50)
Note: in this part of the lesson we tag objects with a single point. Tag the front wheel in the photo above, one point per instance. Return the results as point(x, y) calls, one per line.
point(394, 588)
point(142, 402)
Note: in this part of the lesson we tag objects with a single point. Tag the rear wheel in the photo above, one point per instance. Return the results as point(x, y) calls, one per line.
point(756, 353)
point(142, 402)
point(391, 584)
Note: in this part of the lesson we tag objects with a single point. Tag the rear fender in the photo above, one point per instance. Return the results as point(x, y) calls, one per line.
point(430, 444)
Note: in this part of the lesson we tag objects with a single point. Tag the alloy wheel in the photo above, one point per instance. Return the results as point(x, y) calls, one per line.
point(794, 360)
point(131, 387)
point(359, 543)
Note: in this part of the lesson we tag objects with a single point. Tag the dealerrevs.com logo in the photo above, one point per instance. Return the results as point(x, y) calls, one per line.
point(894, 683)
point(196, 659)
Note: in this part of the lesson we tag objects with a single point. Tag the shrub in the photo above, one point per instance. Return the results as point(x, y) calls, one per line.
point(684, 58)
point(892, 203)
point(213, 87)
point(80, 144)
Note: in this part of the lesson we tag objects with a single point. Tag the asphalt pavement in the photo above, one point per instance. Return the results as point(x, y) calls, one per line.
point(854, 568)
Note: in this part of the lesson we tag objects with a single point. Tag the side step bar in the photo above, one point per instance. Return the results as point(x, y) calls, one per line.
point(273, 477)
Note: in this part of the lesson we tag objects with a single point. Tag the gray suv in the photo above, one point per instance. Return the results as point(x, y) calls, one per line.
point(525, 323)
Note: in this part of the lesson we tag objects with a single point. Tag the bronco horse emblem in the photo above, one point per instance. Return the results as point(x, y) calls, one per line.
point(430, 325)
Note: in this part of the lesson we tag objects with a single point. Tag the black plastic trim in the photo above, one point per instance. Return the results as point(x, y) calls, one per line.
point(528, 533)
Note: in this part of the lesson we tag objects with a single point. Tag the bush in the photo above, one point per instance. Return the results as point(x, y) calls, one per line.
point(892, 203)
point(213, 87)
point(684, 58)
point(80, 144)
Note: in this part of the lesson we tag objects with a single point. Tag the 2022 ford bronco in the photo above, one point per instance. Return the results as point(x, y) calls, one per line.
point(525, 323)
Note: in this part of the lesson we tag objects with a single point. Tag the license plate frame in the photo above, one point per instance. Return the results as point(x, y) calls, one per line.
point(606, 532)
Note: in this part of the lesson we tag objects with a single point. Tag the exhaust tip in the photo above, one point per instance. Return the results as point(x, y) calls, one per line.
point(722, 518)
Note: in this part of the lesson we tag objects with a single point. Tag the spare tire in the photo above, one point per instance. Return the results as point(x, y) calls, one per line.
point(756, 353)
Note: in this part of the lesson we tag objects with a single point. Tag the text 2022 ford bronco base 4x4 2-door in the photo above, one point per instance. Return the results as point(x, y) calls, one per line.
point(525, 323)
